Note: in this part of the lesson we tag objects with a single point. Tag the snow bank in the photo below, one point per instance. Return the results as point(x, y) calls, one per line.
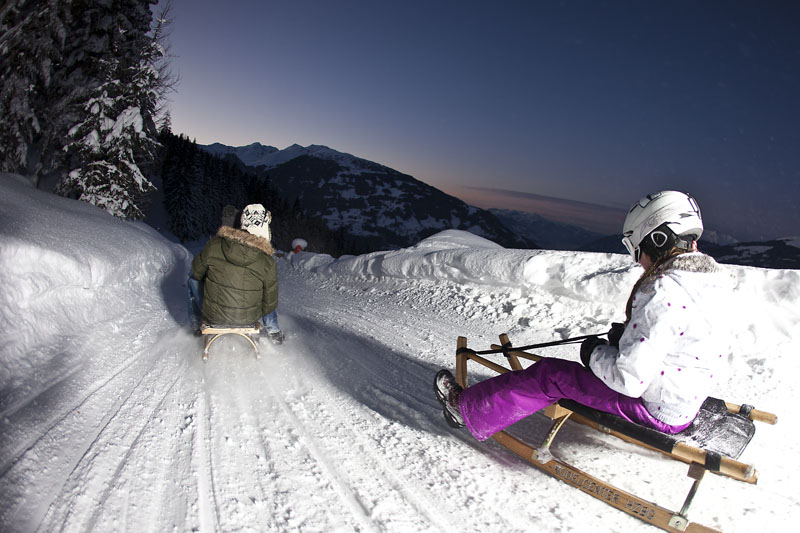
point(66, 265)
point(461, 257)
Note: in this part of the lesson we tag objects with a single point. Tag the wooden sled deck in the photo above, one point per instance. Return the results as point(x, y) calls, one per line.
point(213, 332)
point(713, 443)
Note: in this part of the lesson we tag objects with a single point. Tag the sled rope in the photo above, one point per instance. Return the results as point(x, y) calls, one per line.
point(507, 346)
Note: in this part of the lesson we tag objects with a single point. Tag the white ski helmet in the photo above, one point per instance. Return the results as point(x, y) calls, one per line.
point(668, 218)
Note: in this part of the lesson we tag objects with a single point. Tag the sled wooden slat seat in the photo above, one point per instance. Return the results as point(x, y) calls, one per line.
point(713, 442)
point(212, 332)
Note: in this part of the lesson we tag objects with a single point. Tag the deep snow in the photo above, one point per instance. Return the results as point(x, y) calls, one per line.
point(111, 421)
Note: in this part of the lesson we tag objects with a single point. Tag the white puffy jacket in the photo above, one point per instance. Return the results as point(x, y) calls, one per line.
point(676, 342)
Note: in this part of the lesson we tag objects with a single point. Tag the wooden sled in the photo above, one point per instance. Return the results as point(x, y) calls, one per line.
point(712, 443)
point(213, 332)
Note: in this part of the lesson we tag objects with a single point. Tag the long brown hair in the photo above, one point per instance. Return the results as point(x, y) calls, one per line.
point(656, 268)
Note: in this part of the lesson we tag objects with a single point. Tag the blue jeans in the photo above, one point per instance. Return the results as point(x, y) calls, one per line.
point(270, 322)
point(194, 303)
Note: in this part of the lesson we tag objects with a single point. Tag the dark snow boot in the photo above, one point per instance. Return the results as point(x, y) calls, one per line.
point(276, 337)
point(195, 327)
point(447, 392)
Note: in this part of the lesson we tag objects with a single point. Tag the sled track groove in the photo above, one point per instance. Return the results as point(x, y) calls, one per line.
point(209, 519)
point(112, 413)
point(259, 435)
point(31, 443)
point(21, 403)
point(364, 447)
point(353, 501)
point(92, 522)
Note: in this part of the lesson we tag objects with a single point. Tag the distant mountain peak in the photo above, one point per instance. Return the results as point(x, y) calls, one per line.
point(259, 145)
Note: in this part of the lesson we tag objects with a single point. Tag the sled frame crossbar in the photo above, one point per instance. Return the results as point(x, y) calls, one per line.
point(213, 332)
point(699, 460)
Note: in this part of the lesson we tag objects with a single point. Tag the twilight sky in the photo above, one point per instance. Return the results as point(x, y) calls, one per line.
point(507, 103)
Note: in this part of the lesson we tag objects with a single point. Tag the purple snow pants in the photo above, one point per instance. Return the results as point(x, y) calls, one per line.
point(496, 403)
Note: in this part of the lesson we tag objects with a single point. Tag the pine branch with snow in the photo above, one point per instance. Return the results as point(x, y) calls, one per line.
point(106, 144)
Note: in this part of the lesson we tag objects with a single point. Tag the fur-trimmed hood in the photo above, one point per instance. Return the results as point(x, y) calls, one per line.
point(693, 262)
point(246, 238)
point(689, 264)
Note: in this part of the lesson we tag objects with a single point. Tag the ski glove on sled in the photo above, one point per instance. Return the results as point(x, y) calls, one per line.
point(615, 333)
point(588, 346)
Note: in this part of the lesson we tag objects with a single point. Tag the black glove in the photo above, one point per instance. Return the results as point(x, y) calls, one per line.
point(615, 333)
point(588, 346)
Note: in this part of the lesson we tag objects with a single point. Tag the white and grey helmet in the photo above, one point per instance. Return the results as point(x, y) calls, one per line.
point(660, 221)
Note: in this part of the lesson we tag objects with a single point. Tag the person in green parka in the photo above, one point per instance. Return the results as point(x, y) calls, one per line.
point(239, 279)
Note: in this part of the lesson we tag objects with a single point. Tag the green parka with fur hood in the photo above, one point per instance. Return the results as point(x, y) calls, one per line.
point(241, 281)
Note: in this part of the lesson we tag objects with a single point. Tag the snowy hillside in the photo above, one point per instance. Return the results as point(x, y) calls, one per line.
point(111, 421)
point(378, 206)
point(777, 253)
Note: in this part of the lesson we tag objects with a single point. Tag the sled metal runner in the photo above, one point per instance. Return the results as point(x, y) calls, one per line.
point(211, 333)
point(700, 459)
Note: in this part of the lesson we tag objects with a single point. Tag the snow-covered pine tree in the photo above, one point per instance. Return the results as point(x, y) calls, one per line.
point(117, 131)
point(32, 37)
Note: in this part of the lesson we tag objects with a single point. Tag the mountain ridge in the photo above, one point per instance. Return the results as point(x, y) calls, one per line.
point(383, 207)
point(388, 209)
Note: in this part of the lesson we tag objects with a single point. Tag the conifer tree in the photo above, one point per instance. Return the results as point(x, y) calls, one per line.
point(181, 178)
point(32, 38)
point(117, 130)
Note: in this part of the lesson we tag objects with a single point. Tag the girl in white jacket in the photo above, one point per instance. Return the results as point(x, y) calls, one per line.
point(656, 369)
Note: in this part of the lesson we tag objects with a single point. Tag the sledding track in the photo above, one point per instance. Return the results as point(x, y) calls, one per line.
point(337, 430)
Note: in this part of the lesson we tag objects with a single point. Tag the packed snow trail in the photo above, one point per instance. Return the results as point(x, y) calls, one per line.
point(112, 422)
point(333, 431)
